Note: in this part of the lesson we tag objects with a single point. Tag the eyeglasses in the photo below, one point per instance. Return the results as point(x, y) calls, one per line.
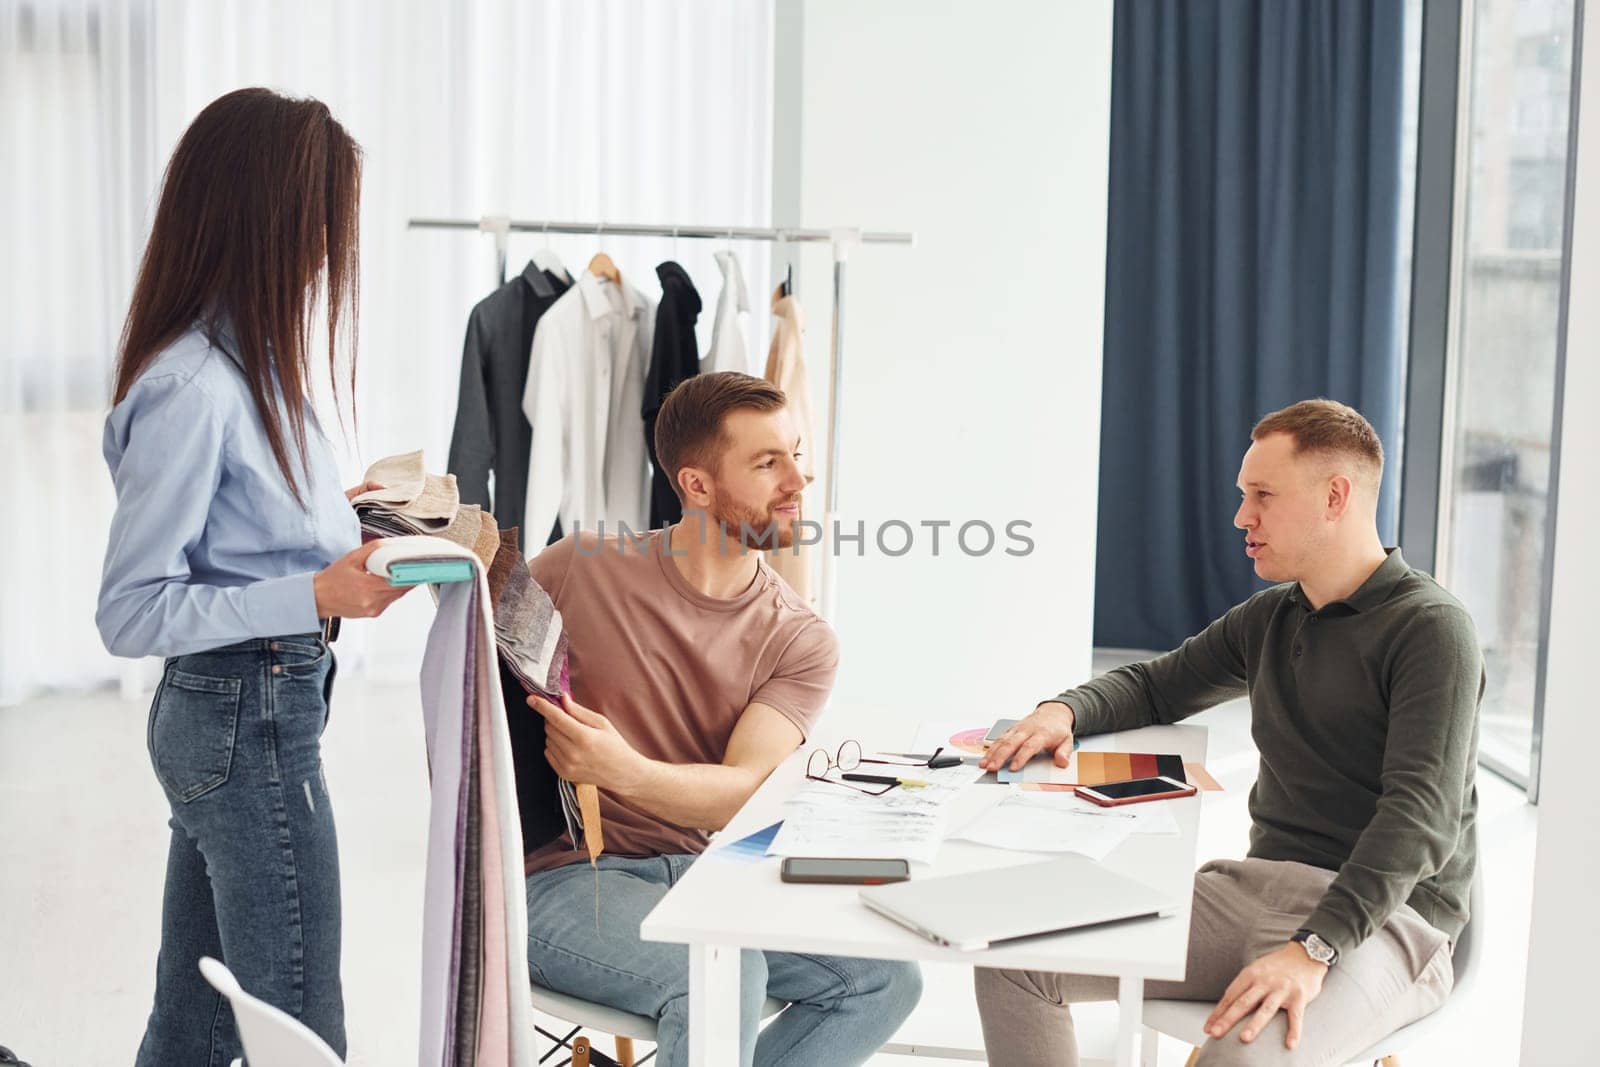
point(846, 759)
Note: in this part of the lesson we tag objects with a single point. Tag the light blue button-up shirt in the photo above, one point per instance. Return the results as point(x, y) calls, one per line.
point(208, 544)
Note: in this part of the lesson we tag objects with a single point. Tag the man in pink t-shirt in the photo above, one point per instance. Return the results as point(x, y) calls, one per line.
point(695, 671)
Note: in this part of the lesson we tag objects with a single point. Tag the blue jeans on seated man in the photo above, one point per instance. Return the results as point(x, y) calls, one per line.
point(841, 1009)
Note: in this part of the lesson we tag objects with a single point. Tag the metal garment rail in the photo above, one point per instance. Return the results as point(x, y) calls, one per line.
point(841, 238)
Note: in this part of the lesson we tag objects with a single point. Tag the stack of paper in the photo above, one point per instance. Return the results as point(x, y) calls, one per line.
point(1060, 822)
point(1019, 826)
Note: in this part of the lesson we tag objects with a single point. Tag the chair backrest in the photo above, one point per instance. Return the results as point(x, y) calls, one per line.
point(271, 1037)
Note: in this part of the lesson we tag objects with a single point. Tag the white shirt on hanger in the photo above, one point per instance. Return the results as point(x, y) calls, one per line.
point(584, 400)
point(727, 351)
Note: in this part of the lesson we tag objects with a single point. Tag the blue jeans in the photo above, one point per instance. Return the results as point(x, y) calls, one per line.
point(840, 1010)
point(253, 868)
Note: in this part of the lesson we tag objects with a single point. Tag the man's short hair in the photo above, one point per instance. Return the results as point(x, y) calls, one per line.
point(1329, 428)
point(689, 430)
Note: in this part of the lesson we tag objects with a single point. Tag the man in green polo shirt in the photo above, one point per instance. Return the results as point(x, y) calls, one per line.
point(1364, 678)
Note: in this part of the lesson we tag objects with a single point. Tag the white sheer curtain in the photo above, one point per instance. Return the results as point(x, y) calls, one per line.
point(612, 110)
point(74, 166)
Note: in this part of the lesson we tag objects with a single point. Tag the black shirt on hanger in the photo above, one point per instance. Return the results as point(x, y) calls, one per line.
point(674, 358)
point(491, 433)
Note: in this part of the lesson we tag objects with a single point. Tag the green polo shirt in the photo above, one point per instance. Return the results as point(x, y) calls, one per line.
point(1365, 714)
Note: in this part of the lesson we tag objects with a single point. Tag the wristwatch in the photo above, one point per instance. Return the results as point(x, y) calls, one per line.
point(1316, 948)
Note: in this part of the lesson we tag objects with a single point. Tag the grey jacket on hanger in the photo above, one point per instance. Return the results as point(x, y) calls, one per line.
point(491, 433)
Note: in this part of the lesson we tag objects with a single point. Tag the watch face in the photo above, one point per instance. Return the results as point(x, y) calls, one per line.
point(1319, 949)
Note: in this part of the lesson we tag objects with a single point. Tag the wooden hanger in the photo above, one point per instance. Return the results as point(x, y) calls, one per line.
point(602, 267)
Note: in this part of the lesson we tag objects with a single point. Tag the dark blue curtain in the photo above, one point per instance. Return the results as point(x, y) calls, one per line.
point(1252, 261)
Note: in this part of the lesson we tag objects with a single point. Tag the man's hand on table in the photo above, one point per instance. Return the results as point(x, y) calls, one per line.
point(1285, 979)
point(583, 746)
point(1048, 729)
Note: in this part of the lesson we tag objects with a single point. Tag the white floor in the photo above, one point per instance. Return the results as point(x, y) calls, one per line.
point(82, 850)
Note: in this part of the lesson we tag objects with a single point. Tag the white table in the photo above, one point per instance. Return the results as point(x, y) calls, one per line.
point(721, 907)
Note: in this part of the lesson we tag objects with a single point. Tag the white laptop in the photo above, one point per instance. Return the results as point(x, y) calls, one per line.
point(982, 908)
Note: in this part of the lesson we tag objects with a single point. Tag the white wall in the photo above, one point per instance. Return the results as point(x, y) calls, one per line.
point(1565, 936)
point(972, 376)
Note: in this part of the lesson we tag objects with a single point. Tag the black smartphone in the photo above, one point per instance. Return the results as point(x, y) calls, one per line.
point(806, 869)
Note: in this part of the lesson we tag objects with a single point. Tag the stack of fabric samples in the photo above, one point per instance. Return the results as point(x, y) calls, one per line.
point(411, 500)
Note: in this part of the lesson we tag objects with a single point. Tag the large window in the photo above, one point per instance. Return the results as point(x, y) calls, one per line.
point(1501, 383)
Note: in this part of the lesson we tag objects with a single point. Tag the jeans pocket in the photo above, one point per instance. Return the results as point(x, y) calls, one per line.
point(299, 658)
point(192, 729)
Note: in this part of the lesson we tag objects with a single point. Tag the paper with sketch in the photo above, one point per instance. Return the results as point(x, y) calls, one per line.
point(1016, 824)
point(828, 819)
point(1148, 817)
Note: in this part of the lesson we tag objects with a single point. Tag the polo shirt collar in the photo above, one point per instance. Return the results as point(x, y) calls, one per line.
point(1373, 592)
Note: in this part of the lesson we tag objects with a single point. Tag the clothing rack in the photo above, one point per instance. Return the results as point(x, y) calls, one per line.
point(841, 238)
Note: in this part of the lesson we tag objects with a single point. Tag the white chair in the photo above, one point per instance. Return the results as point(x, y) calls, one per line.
point(1185, 1019)
point(625, 1026)
point(271, 1037)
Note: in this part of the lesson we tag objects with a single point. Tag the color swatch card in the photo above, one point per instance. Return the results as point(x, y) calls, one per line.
point(1095, 768)
point(1100, 768)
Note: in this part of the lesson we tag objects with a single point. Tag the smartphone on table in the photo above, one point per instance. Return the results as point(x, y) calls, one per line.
point(824, 871)
point(1113, 794)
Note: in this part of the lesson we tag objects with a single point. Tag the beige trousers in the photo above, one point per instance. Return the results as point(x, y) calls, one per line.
point(1242, 910)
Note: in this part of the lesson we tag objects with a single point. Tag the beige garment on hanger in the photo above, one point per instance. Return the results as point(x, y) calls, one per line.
point(786, 368)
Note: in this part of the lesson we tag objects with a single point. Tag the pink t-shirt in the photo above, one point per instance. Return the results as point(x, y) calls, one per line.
point(674, 669)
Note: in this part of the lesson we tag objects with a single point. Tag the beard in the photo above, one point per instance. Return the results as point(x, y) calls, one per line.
point(753, 526)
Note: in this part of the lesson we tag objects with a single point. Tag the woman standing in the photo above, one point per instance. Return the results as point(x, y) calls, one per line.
point(231, 547)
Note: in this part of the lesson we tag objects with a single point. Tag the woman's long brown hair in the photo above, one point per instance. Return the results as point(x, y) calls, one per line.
point(258, 219)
